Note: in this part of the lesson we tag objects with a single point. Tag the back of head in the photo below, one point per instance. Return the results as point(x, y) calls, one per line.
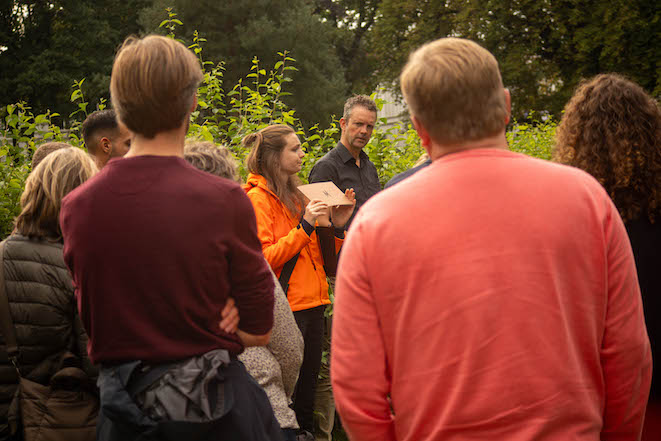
point(454, 88)
point(611, 128)
point(209, 157)
point(266, 146)
point(101, 121)
point(153, 84)
point(44, 150)
point(57, 175)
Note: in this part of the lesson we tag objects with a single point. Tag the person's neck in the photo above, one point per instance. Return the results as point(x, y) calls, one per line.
point(354, 151)
point(170, 143)
point(438, 150)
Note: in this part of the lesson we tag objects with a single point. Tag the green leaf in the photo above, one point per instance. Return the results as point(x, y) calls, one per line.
point(262, 72)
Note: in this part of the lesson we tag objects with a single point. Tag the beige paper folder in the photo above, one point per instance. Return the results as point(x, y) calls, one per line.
point(326, 192)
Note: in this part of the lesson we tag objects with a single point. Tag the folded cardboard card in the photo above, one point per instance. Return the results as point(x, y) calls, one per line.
point(326, 192)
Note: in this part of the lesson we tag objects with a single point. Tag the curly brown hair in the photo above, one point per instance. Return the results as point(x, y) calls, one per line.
point(611, 128)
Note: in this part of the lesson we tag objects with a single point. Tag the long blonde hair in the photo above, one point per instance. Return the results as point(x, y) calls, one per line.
point(264, 159)
point(59, 173)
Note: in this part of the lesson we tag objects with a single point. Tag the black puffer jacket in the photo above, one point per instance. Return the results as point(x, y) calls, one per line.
point(43, 308)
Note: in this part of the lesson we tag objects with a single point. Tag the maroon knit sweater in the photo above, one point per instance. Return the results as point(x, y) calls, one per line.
point(155, 248)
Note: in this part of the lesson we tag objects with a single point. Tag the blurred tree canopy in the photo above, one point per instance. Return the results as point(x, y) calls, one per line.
point(544, 47)
point(238, 30)
point(46, 45)
point(341, 47)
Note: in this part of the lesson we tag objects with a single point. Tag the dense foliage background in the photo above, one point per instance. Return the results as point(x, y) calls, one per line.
point(225, 115)
point(342, 46)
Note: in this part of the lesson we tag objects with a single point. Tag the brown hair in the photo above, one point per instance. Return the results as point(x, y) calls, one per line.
point(153, 84)
point(453, 87)
point(358, 100)
point(58, 174)
point(104, 121)
point(44, 150)
point(211, 158)
point(611, 129)
point(264, 159)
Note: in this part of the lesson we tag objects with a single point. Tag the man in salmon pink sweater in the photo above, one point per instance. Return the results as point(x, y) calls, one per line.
point(491, 296)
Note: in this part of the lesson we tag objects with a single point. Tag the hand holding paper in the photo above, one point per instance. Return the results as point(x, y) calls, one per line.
point(326, 192)
point(340, 214)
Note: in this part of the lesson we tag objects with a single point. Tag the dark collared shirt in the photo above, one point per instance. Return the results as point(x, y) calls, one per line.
point(339, 166)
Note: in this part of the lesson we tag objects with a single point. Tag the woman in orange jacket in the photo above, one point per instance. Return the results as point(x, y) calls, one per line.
point(286, 226)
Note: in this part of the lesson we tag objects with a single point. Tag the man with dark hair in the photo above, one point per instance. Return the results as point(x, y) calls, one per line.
point(347, 165)
point(105, 137)
point(178, 244)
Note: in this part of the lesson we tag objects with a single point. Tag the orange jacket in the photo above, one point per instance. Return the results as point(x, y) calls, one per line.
point(282, 239)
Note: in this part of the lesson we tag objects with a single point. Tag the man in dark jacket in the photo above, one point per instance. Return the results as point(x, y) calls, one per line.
point(347, 165)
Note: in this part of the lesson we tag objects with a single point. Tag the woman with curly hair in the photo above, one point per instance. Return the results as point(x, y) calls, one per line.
point(611, 128)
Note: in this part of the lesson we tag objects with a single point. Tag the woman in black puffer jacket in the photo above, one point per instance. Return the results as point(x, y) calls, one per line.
point(37, 282)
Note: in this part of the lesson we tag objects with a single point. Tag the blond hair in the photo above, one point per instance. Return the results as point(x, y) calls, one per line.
point(59, 173)
point(153, 84)
point(211, 158)
point(454, 88)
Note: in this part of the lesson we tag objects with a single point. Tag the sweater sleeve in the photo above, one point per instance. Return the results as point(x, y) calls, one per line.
point(251, 281)
point(359, 371)
point(276, 250)
point(625, 352)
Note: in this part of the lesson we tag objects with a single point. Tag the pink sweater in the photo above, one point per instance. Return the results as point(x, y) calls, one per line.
point(491, 296)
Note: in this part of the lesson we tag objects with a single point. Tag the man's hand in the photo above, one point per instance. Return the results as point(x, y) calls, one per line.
point(229, 317)
point(230, 324)
point(341, 214)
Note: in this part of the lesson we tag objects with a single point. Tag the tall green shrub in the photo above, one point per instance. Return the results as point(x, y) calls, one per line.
point(255, 102)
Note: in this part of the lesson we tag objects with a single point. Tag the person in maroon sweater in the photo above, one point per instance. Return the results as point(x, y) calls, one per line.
point(156, 248)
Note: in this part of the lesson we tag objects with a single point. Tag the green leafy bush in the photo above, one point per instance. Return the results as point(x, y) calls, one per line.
point(533, 139)
point(225, 116)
